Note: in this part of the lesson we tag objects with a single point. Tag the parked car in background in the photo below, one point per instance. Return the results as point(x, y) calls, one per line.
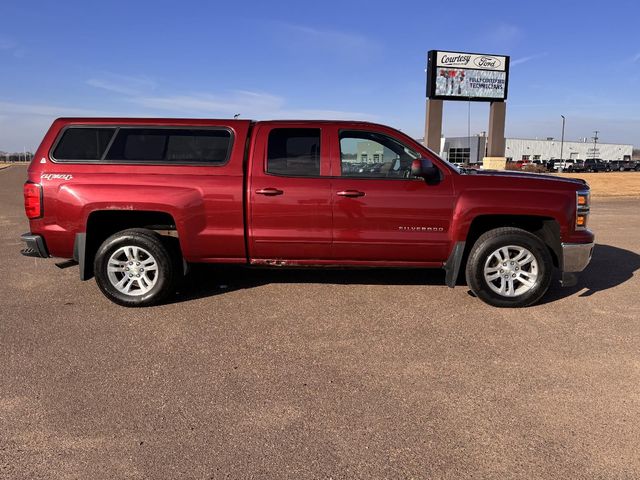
point(548, 164)
point(596, 165)
point(616, 165)
point(631, 165)
point(566, 165)
point(578, 166)
point(624, 165)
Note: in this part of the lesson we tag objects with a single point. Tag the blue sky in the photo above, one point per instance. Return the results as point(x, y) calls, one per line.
point(295, 59)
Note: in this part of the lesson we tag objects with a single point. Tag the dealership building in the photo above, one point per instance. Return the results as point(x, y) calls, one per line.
point(472, 149)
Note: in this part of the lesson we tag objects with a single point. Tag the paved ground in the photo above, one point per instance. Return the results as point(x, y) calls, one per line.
point(307, 374)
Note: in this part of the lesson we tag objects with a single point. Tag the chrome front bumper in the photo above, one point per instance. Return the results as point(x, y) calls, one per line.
point(575, 258)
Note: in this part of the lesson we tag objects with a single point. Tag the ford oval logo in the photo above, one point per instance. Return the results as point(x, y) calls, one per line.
point(487, 62)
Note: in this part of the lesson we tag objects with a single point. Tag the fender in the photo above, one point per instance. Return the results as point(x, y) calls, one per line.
point(76, 203)
point(471, 204)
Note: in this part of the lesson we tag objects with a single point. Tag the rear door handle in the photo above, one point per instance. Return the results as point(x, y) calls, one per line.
point(271, 192)
point(350, 193)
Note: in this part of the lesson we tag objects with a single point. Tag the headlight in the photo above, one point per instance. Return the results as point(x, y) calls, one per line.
point(583, 204)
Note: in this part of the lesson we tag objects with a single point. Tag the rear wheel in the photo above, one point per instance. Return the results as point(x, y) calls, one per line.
point(509, 267)
point(134, 268)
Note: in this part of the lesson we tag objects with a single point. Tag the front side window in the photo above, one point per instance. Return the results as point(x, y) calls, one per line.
point(373, 155)
point(294, 152)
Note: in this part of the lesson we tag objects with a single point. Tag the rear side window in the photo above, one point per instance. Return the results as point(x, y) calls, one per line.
point(144, 145)
point(171, 145)
point(294, 152)
point(83, 143)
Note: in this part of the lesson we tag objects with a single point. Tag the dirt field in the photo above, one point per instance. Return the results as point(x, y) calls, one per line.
point(320, 374)
point(610, 184)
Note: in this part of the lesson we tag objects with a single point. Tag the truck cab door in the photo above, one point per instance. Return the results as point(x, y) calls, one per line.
point(289, 194)
point(381, 213)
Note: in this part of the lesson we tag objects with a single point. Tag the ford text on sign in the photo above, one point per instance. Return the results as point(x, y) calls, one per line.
point(471, 60)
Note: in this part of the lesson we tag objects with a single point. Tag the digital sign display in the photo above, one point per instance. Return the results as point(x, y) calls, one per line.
point(467, 76)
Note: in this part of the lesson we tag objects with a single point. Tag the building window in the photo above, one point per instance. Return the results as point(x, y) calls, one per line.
point(536, 157)
point(459, 155)
point(526, 157)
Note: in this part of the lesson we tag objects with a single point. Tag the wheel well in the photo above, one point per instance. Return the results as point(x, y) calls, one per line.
point(102, 224)
point(546, 228)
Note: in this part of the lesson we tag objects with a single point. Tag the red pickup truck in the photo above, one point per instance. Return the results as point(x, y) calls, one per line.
point(133, 202)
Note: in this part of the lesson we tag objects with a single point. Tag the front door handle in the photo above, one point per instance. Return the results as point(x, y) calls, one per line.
point(350, 193)
point(271, 192)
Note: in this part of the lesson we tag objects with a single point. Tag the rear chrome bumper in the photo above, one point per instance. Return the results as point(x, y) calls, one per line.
point(35, 246)
point(575, 258)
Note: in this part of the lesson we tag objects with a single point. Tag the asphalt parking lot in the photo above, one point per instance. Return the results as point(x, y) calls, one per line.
point(319, 374)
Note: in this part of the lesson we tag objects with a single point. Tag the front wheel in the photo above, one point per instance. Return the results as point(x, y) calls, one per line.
point(509, 267)
point(134, 268)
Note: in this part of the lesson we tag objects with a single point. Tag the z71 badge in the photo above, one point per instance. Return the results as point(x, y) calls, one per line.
point(56, 176)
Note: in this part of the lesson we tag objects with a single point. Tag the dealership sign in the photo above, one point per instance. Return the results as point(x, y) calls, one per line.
point(467, 76)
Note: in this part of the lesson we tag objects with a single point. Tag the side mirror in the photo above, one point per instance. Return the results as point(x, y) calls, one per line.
point(423, 167)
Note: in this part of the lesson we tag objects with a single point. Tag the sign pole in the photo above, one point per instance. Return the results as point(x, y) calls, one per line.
point(433, 125)
point(562, 138)
point(497, 114)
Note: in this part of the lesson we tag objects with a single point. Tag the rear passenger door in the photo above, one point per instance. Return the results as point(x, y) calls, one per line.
point(289, 192)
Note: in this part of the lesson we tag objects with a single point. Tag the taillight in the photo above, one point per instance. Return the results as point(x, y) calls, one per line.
point(33, 200)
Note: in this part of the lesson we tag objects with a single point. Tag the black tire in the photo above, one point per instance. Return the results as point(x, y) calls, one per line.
point(166, 259)
point(495, 239)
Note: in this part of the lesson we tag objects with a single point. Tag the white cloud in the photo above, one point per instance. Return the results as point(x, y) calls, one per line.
point(44, 110)
point(248, 104)
point(521, 60)
point(503, 35)
point(236, 102)
point(340, 45)
point(124, 84)
point(12, 47)
point(24, 124)
point(330, 38)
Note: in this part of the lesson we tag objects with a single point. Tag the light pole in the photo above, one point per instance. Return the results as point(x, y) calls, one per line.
point(562, 138)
